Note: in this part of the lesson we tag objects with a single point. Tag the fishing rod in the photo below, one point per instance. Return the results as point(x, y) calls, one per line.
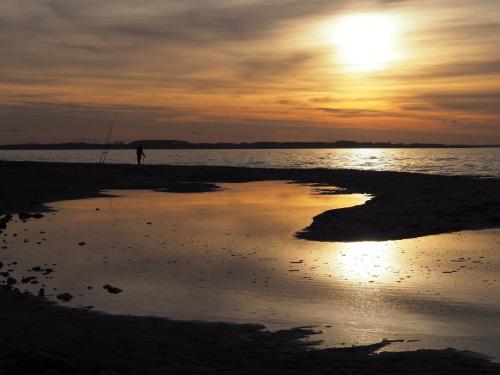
point(105, 150)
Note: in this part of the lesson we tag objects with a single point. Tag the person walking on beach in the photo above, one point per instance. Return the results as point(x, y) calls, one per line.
point(140, 154)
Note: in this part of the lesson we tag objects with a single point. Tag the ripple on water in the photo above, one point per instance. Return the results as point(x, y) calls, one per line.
point(231, 255)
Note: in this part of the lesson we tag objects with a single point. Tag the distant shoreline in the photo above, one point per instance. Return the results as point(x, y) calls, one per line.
point(179, 145)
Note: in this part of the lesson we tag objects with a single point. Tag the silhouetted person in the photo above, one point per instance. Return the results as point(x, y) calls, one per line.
point(140, 154)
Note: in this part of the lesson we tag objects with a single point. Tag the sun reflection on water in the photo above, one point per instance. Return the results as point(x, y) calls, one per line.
point(231, 255)
point(366, 262)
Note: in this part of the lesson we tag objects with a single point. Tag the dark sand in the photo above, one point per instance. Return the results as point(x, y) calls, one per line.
point(41, 338)
point(405, 205)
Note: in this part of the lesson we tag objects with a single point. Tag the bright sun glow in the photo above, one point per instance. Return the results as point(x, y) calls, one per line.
point(366, 42)
point(364, 262)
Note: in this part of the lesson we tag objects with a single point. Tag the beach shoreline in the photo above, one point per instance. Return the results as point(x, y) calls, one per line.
point(40, 336)
point(404, 205)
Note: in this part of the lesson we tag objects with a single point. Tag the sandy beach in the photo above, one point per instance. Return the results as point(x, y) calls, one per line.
point(40, 336)
point(405, 205)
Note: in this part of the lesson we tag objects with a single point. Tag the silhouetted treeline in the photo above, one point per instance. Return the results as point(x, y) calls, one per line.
point(175, 144)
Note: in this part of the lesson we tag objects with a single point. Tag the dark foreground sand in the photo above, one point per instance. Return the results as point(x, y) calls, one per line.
point(405, 205)
point(40, 338)
point(37, 337)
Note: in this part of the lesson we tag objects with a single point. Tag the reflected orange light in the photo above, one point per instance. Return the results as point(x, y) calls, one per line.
point(364, 262)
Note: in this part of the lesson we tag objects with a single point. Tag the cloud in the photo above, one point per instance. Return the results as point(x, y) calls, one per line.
point(417, 107)
point(200, 45)
point(356, 112)
point(449, 70)
point(464, 69)
point(480, 102)
point(464, 29)
point(323, 99)
point(263, 67)
point(32, 108)
point(67, 63)
point(189, 21)
point(102, 26)
point(461, 95)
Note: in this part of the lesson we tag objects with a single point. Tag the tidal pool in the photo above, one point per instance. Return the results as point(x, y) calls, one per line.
point(231, 256)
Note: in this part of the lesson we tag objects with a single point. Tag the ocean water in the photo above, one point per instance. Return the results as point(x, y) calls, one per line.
point(484, 162)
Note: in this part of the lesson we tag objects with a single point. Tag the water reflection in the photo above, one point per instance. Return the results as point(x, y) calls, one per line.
point(231, 255)
point(364, 262)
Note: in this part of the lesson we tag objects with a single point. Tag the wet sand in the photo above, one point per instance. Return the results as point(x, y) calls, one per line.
point(229, 256)
point(405, 205)
point(203, 347)
point(38, 338)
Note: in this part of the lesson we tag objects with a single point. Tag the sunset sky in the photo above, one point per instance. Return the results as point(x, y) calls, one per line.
point(250, 70)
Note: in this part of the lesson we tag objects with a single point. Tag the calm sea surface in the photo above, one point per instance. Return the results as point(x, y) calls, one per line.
point(483, 162)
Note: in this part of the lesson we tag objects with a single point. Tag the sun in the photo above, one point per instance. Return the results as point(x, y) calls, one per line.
point(366, 42)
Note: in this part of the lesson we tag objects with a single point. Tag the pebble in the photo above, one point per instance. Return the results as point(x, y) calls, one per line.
point(65, 297)
point(112, 289)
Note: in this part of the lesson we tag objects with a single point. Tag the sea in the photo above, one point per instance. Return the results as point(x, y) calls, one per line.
point(479, 162)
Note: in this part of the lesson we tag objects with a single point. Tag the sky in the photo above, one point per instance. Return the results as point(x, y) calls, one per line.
point(250, 70)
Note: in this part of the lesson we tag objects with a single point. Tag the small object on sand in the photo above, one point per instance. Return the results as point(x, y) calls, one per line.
point(28, 279)
point(11, 281)
point(24, 215)
point(82, 243)
point(112, 289)
point(65, 297)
